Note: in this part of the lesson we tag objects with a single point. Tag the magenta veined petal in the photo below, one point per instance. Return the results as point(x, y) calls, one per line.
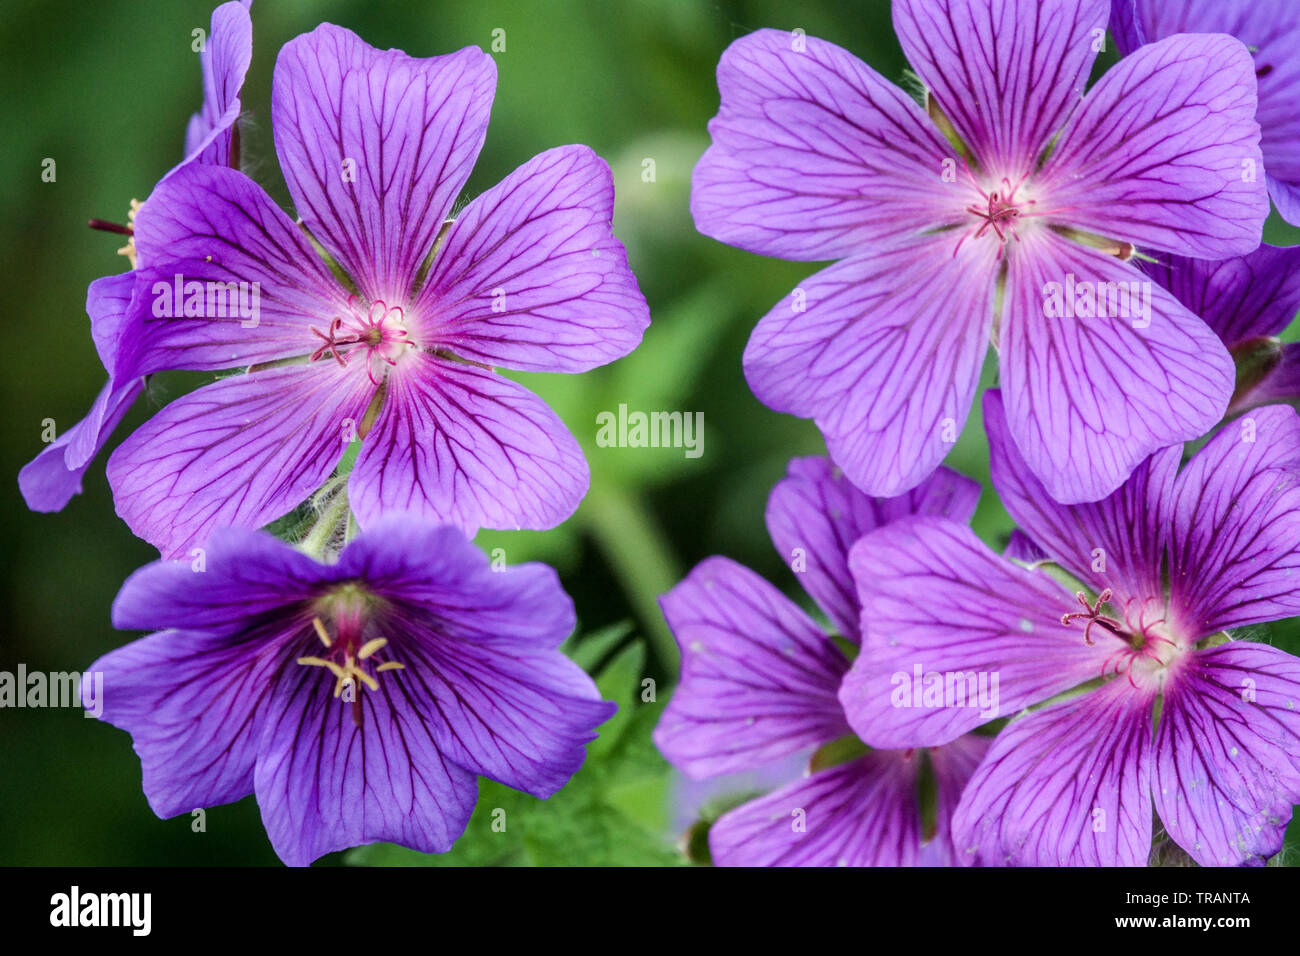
point(1067, 786)
point(1270, 29)
point(860, 813)
point(815, 155)
point(375, 147)
point(1241, 298)
point(1234, 551)
point(815, 515)
point(1134, 161)
point(273, 436)
point(832, 351)
point(530, 277)
point(261, 288)
point(758, 676)
point(224, 60)
point(1007, 73)
point(1091, 391)
point(955, 636)
point(1114, 543)
point(1227, 753)
point(465, 446)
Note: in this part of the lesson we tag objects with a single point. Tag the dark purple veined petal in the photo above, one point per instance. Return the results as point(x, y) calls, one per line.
point(815, 514)
point(237, 453)
point(1090, 391)
point(1271, 31)
point(758, 677)
point(465, 446)
point(51, 479)
point(815, 155)
point(1067, 786)
point(1227, 753)
point(508, 710)
point(530, 277)
point(478, 648)
point(832, 351)
point(375, 147)
point(1164, 152)
point(1117, 542)
point(108, 303)
point(244, 573)
point(434, 566)
point(193, 704)
point(953, 765)
point(224, 61)
point(325, 784)
point(955, 636)
point(262, 286)
point(1241, 298)
point(860, 813)
point(467, 679)
point(1006, 72)
point(1235, 545)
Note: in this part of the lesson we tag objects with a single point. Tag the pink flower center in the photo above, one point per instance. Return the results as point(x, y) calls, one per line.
point(997, 212)
point(1148, 651)
point(380, 331)
point(348, 654)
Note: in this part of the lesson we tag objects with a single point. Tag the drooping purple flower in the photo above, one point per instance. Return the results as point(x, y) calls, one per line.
point(1148, 697)
point(1271, 31)
point(357, 700)
point(1248, 301)
point(759, 680)
point(50, 480)
point(377, 319)
point(989, 217)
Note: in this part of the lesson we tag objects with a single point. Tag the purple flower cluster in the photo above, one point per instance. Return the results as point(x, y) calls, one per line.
point(360, 682)
point(1050, 702)
point(1082, 697)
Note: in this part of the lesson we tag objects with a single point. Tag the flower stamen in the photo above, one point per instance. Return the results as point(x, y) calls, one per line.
point(1092, 615)
point(345, 661)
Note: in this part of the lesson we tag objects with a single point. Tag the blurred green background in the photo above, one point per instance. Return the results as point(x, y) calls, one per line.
point(105, 89)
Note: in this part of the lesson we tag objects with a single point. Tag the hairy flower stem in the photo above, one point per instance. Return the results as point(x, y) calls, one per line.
point(326, 529)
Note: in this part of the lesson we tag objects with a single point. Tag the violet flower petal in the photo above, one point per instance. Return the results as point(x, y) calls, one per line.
point(758, 677)
point(815, 515)
point(530, 277)
point(376, 146)
point(465, 446)
point(1227, 767)
point(1067, 786)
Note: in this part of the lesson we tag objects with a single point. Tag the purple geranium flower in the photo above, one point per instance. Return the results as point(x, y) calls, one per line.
point(377, 318)
point(1248, 300)
point(50, 480)
point(1148, 695)
point(1006, 212)
point(359, 699)
point(1271, 31)
point(759, 682)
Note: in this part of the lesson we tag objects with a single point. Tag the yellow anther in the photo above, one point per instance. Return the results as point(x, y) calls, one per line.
point(320, 631)
point(369, 647)
point(333, 668)
point(128, 250)
point(390, 666)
